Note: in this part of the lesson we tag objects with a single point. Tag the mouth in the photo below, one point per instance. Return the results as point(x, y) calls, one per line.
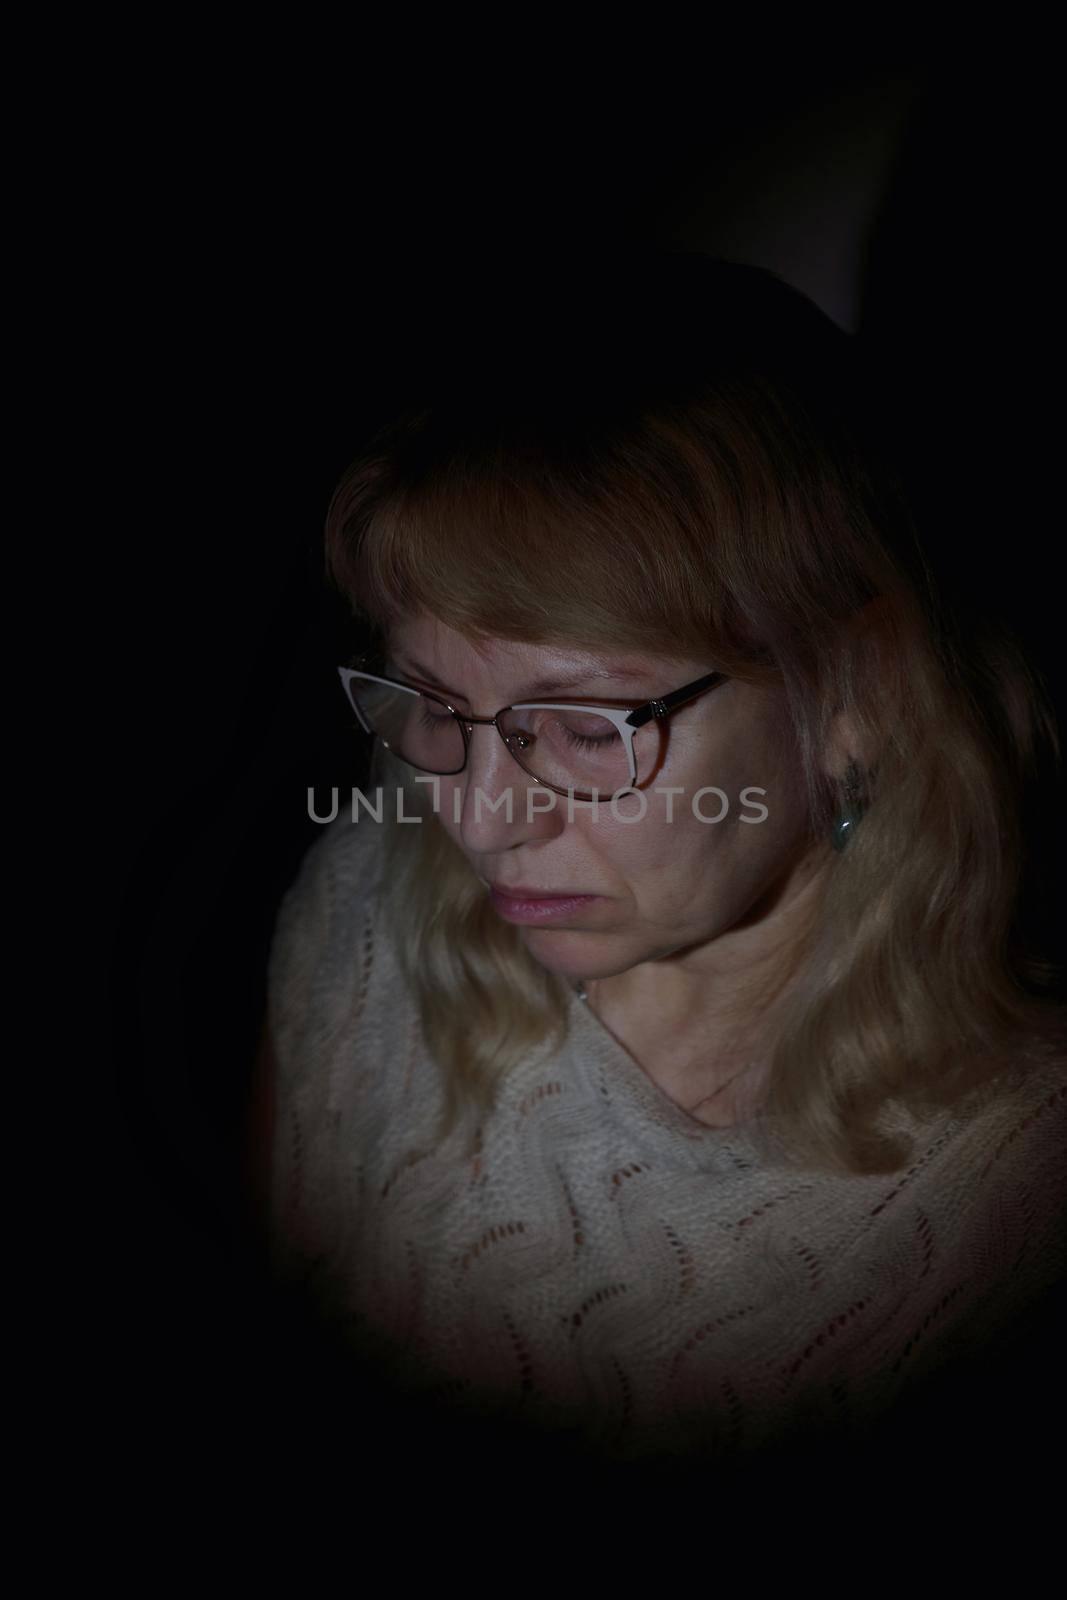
point(527, 905)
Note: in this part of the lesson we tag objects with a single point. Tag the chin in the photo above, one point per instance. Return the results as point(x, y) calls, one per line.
point(570, 960)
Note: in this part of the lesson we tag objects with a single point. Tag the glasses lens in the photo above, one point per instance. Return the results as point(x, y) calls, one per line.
point(413, 726)
point(579, 750)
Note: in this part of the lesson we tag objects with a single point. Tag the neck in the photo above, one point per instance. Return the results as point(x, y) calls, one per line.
point(701, 1021)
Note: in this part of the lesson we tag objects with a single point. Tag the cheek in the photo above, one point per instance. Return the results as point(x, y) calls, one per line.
point(668, 844)
point(449, 804)
point(722, 830)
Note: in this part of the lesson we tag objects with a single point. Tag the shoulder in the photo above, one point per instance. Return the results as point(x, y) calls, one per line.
point(345, 853)
point(994, 1178)
point(341, 863)
point(990, 1211)
point(322, 916)
point(1015, 1125)
point(1022, 1112)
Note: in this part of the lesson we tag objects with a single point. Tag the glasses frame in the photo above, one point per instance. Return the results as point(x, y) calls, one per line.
point(627, 722)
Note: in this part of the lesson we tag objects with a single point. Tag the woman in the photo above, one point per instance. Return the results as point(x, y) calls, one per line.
point(757, 1120)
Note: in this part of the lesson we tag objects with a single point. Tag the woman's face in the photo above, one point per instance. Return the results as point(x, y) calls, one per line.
point(665, 882)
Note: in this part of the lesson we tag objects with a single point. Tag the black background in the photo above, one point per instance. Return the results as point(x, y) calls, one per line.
point(281, 271)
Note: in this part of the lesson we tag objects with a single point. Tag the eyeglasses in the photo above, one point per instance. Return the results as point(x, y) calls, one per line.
point(575, 748)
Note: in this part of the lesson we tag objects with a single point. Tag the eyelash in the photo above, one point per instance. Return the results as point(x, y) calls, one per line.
point(580, 741)
point(583, 741)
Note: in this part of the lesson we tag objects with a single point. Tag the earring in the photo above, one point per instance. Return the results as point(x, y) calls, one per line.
point(845, 824)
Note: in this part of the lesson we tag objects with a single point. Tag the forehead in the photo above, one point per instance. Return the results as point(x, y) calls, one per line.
point(434, 645)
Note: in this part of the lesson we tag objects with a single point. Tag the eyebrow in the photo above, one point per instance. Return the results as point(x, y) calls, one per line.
point(549, 686)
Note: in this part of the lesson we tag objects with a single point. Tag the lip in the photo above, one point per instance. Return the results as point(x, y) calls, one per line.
point(522, 891)
point(522, 906)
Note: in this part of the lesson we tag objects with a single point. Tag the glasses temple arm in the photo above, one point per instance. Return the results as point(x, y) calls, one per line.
point(679, 697)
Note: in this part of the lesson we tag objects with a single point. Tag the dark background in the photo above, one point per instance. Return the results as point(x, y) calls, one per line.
point(284, 272)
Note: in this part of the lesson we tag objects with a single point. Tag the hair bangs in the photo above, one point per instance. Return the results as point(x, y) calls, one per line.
point(611, 544)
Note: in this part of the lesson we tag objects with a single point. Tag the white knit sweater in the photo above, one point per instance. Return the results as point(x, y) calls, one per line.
point(605, 1266)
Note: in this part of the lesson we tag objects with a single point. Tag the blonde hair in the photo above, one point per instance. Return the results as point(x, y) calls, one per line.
point(713, 481)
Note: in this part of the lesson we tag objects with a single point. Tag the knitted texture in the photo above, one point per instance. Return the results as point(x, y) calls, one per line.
point(605, 1267)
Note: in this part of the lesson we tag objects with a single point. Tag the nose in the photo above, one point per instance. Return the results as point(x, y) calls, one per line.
point(501, 804)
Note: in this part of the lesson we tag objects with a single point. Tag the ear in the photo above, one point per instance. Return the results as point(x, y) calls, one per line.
point(867, 639)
